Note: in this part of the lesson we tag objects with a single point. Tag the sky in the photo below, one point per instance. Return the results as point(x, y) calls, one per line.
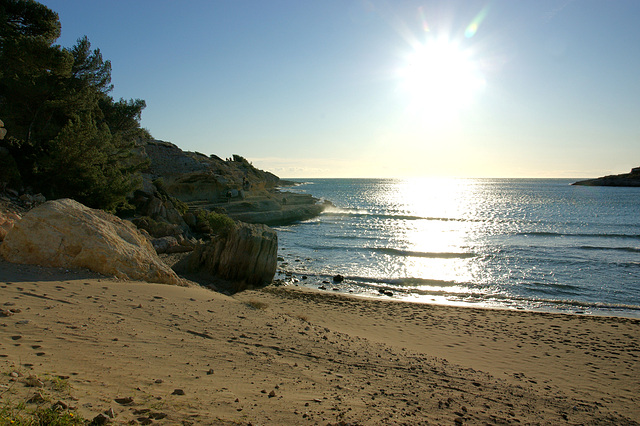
point(359, 88)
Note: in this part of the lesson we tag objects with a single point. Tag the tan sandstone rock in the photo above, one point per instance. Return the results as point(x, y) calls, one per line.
point(245, 257)
point(65, 233)
point(7, 222)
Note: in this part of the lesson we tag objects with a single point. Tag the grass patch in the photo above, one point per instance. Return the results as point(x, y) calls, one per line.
point(22, 415)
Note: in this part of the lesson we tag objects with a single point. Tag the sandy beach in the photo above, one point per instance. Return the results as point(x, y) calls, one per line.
point(149, 353)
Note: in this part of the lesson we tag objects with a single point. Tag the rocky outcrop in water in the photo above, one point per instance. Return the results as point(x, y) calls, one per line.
point(65, 233)
point(625, 179)
point(242, 257)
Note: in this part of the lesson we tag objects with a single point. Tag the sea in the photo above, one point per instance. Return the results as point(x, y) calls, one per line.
point(528, 244)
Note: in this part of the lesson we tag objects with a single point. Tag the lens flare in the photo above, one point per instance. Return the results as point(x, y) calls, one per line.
point(472, 29)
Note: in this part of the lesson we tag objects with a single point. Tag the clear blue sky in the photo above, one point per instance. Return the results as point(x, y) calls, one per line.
point(340, 88)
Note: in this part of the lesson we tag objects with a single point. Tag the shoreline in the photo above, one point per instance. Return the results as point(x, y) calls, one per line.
point(299, 356)
point(287, 278)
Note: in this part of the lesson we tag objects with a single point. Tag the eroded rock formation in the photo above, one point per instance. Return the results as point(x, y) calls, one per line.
point(245, 256)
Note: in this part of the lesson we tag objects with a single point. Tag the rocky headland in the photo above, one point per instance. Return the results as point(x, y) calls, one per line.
point(205, 216)
point(624, 179)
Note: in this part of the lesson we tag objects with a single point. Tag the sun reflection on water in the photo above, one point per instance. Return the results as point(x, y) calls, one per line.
point(439, 242)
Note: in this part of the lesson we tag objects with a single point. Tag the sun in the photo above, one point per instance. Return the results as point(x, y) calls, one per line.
point(440, 79)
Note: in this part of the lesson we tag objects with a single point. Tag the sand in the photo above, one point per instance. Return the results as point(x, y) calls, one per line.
point(151, 353)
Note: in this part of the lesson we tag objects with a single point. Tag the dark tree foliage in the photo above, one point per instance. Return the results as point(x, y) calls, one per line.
point(68, 137)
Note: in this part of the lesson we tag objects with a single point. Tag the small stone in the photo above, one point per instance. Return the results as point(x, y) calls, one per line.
point(177, 392)
point(338, 278)
point(100, 419)
point(272, 394)
point(210, 372)
point(157, 415)
point(34, 382)
point(158, 381)
point(110, 413)
point(124, 401)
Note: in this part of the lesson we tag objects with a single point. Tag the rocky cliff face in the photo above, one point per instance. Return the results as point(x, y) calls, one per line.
point(191, 176)
point(625, 179)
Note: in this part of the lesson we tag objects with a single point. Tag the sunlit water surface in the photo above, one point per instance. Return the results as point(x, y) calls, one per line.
point(525, 244)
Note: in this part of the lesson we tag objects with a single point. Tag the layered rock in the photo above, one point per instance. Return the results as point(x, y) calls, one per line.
point(191, 176)
point(65, 233)
point(244, 257)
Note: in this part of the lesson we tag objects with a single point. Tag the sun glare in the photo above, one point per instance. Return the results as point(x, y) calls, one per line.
point(440, 79)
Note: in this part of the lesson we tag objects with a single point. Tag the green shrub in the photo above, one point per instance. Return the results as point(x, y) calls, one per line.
point(218, 222)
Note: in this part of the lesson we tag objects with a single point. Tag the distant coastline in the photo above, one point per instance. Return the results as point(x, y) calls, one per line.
point(626, 179)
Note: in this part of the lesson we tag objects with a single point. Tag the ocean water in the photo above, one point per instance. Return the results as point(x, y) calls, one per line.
point(534, 244)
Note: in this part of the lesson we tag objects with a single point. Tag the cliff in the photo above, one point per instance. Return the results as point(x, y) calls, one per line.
point(625, 179)
point(233, 186)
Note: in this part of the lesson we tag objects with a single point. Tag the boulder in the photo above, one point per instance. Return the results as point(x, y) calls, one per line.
point(65, 233)
point(244, 257)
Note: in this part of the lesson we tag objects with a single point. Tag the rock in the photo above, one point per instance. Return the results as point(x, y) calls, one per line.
point(162, 245)
point(34, 382)
point(100, 419)
point(124, 401)
point(7, 222)
point(245, 256)
point(338, 278)
point(3, 131)
point(625, 179)
point(177, 392)
point(65, 233)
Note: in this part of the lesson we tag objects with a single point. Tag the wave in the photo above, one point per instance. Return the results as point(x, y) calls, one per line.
point(433, 255)
point(622, 249)
point(585, 235)
point(338, 212)
point(392, 251)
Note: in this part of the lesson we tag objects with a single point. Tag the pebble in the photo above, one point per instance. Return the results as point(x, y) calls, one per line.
point(178, 392)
